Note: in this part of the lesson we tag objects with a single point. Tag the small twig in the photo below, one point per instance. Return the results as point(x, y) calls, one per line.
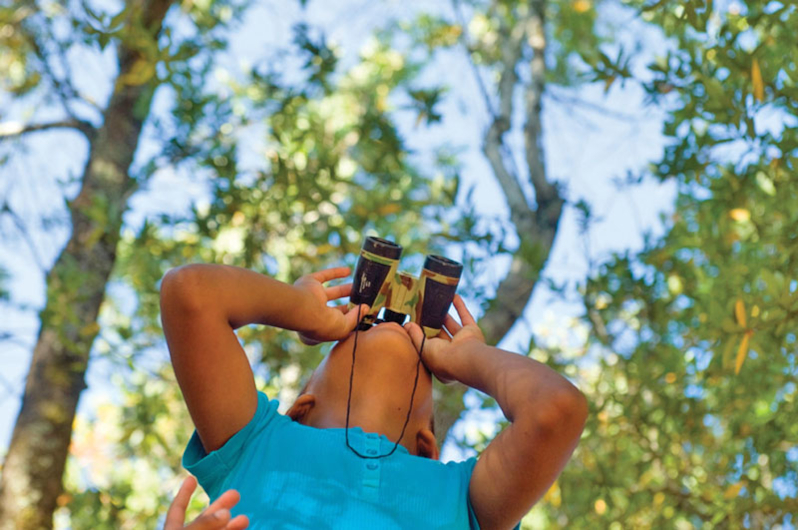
point(464, 41)
point(63, 87)
point(23, 230)
point(573, 100)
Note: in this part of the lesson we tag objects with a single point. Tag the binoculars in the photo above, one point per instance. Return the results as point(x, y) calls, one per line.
point(425, 299)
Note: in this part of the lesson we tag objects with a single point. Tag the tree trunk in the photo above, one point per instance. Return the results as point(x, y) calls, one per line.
point(536, 228)
point(31, 481)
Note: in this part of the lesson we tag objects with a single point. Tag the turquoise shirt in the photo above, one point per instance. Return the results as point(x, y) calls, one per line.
point(293, 476)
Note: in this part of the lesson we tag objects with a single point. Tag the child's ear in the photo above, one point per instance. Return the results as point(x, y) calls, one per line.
point(301, 407)
point(426, 445)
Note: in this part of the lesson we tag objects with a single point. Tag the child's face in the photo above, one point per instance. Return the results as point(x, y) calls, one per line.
point(385, 369)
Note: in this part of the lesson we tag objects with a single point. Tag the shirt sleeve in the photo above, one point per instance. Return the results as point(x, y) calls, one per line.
point(211, 468)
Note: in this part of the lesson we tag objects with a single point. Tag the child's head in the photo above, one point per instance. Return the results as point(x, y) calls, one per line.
point(385, 369)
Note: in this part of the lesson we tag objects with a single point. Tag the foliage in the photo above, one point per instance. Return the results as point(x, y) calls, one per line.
point(691, 372)
point(124, 468)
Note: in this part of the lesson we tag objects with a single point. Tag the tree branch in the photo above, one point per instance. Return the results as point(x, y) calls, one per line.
point(12, 129)
point(536, 228)
point(575, 101)
point(64, 89)
point(546, 194)
point(493, 145)
point(465, 42)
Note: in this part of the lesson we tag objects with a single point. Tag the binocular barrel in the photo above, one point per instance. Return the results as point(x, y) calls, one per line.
point(425, 299)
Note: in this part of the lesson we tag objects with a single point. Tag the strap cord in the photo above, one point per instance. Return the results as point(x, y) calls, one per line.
point(349, 398)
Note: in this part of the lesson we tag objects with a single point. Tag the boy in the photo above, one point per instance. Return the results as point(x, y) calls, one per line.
point(301, 470)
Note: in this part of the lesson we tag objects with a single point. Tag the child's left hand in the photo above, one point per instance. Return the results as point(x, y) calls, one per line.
point(440, 352)
point(215, 517)
point(327, 323)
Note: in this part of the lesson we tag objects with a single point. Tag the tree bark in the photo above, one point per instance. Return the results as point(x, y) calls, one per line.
point(536, 227)
point(31, 481)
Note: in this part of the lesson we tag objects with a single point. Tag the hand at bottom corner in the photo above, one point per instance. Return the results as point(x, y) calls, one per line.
point(214, 517)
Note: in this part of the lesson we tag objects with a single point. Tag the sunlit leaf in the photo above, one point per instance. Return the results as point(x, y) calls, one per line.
point(740, 214)
point(553, 495)
point(739, 312)
point(733, 490)
point(742, 351)
point(756, 80)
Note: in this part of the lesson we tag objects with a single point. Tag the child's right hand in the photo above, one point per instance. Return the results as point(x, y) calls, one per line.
point(327, 323)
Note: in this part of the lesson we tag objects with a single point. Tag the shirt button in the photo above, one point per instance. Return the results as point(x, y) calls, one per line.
point(372, 451)
point(372, 465)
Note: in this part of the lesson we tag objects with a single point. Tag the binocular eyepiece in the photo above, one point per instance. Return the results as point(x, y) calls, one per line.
point(425, 299)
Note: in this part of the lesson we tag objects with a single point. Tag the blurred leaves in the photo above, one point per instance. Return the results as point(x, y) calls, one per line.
point(694, 387)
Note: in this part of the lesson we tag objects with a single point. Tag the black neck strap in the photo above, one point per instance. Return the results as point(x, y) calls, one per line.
point(349, 398)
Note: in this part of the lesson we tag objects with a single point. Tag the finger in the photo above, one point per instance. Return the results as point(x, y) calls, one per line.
point(345, 309)
point(416, 333)
point(331, 274)
point(308, 341)
point(211, 521)
point(176, 515)
point(338, 291)
point(354, 315)
point(452, 326)
point(444, 334)
point(226, 500)
point(239, 522)
point(465, 316)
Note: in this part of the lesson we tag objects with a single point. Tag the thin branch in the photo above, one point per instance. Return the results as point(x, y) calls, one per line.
point(12, 338)
point(500, 123)
point(599, 109)
point(23, 230)
point(63, 87)
point(74, 93)
point(494, 147)
point(546, 194)
point(465, 42)
point(12, 129)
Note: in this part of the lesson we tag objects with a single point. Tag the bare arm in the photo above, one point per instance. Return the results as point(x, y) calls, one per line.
point(547, 415)
point(202, 305)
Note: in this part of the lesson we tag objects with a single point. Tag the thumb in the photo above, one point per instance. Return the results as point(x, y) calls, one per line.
point(211, 521)
point(416, 334)
point(352, 316)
